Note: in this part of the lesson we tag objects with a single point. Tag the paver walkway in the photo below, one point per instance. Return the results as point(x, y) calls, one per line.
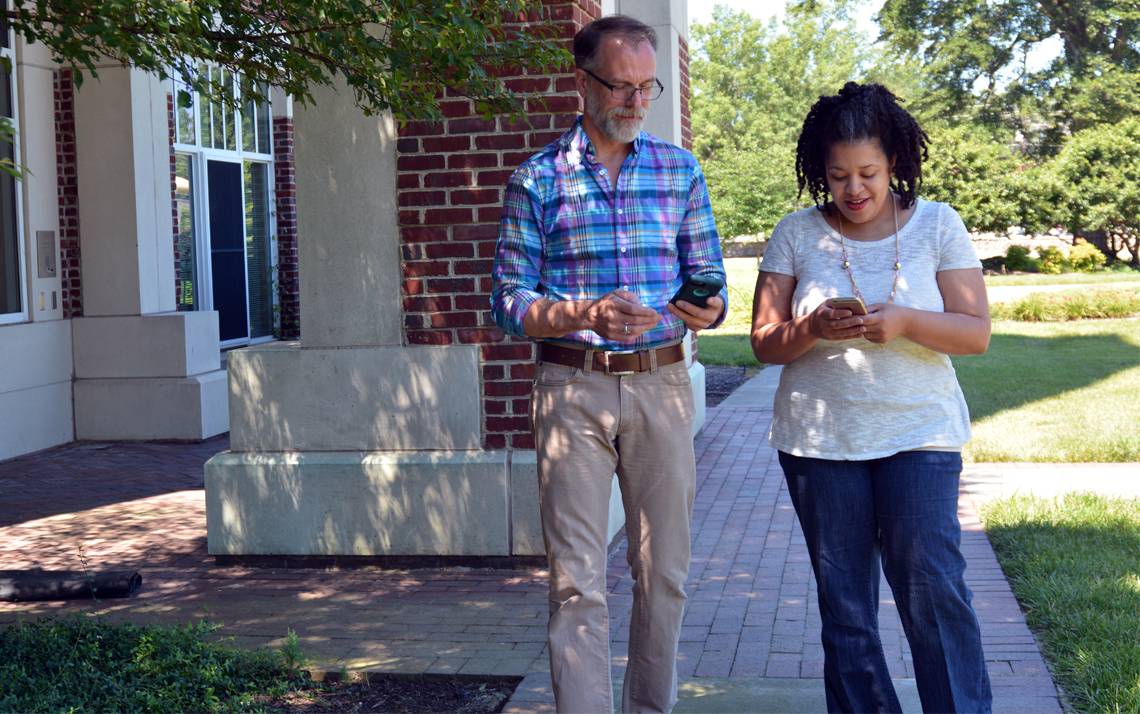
point(751, 632)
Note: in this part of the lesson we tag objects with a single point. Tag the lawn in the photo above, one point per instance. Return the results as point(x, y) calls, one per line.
point(1072, 562)
point(1054, 392)
point(1123, 275)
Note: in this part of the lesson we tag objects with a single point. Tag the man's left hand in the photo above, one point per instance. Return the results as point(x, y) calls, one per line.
point(697, 318)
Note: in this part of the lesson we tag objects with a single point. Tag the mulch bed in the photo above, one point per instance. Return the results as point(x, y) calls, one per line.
point(721, 381)
point(403, 693)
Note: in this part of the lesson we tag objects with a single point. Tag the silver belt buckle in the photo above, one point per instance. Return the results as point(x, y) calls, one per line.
point(606, 361)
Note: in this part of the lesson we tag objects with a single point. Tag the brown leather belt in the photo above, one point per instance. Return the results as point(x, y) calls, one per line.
point(610, 362)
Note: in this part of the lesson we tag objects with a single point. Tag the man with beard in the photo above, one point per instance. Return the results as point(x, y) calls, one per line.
point(599, 230)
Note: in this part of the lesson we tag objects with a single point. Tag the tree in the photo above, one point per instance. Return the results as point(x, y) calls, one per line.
point(976, 173)
point(396, 55)
point(753, 83)
point(1098, 173)
point(975, 53)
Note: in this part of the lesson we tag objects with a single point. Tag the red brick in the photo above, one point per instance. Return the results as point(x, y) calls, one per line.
point(506, 389)
point(500, 141)
point(470, 126)
point(405, 180)
point(451, 285)
point(529, 85)
point(449, 179)
point(515, 351)
point(514, 158)
point(564, 121)
point(421, 128)
point(540, 139)
point(432, 337)
point(449, 250)
point(495, 441)
point(419, 162)
point(493, 372)
point(508, 423)
point(520, 406)
point(522, 371)
point(490, 406)
point(553, 105)
point(454, 319)
point(421, 198)
point(408, 145)
point(413, 287)
point(427, 304)
point(497, 177)
point(447, 216)
point(489, 214)
point(475, 196)
point(482, 335)
point(472, 302)
point(472, 267)
point(476, 231)
point(447, 143)
point(455, 108)
point(409, 218)
point(522, 441)
point(472, 161)
point(424, 268)
point(419, 234)
point(566, 84)
point(534, 122)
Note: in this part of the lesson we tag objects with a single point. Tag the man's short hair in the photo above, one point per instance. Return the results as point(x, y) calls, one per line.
point(589, 38)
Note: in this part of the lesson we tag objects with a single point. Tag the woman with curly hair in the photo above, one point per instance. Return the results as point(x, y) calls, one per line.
point(863, 297)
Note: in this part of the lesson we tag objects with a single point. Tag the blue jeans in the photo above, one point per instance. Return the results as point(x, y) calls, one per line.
point(902, 510)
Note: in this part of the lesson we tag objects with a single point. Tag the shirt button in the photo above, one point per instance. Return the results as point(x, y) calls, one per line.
point(620, 211)
point(625, 287)
point(623, 249)
point(602, 172)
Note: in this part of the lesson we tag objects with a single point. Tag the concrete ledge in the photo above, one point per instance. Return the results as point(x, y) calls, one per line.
point(191, 408)
point(169, 344)
point(34, 354)
point(286, 398)
point(353, 503)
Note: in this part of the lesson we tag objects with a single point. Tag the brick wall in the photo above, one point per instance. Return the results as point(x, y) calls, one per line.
point(450, 189)
point(686, 125)
point(67, 190)
point(285, 189)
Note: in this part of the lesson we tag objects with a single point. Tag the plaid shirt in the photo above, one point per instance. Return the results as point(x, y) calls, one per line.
point(566, 235)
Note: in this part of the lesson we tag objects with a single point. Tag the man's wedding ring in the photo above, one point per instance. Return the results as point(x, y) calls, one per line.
point(625, 328)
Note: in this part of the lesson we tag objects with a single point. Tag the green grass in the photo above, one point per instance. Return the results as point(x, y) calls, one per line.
point(1123, 274)
point(1055, 392)
point(730, 343)
point(1069, 305)
point(1073, 565)
point(86, 664)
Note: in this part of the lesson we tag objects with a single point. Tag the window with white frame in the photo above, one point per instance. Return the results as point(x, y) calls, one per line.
point(11, 248)
point(224, 207)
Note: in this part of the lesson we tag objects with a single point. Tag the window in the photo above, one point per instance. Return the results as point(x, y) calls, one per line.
point(224, 214)
point(11, 248)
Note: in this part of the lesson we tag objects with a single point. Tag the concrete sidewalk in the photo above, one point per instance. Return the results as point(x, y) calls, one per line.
point(751, 632)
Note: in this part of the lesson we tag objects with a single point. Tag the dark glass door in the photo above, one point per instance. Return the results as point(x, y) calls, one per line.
point(227, 248)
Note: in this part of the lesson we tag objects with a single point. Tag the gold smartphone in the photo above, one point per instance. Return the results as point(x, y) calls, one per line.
point(854, 304)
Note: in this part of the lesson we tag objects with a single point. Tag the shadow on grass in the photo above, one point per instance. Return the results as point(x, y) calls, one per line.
point(727, 349)
point(1021, 369)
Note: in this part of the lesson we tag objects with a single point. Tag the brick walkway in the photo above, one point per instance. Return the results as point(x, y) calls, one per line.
point(752, 611)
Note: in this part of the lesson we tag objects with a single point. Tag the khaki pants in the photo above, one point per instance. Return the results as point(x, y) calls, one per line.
point(587, 426)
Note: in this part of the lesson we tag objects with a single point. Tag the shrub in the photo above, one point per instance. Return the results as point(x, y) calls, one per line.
point(1069, 305)
point(1017, 259)
point(1085, 257)
point(1051, 260)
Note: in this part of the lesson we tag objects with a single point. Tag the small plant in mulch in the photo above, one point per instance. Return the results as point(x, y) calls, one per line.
point(82, 663)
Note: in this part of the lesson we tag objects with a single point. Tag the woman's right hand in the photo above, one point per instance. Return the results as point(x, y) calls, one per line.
point(828, 323)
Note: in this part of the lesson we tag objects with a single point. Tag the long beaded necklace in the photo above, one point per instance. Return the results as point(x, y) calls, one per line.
point(847, 262)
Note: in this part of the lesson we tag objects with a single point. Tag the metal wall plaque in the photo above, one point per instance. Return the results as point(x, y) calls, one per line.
point(46, 253)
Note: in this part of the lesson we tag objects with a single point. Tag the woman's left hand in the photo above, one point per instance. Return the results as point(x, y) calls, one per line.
point(884, 322)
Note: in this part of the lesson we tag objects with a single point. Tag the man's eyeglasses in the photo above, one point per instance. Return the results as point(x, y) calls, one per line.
point(625, 92)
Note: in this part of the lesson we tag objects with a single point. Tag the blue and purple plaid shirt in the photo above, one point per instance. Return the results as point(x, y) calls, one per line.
point(566, 235)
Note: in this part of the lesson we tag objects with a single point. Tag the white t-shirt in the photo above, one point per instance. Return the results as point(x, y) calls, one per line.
point(854, 399)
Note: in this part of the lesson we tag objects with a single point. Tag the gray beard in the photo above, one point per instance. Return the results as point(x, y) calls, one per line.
point(619, 131)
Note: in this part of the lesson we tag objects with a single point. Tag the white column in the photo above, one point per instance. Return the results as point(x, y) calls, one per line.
point(142, 371)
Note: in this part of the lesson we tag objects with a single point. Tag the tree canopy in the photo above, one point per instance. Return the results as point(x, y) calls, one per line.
point(395, 55)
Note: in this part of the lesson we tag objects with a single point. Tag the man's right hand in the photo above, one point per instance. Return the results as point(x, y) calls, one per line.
point(620, 316)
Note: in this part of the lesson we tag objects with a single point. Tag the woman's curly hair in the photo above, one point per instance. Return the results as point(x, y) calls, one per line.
point(858, 112)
